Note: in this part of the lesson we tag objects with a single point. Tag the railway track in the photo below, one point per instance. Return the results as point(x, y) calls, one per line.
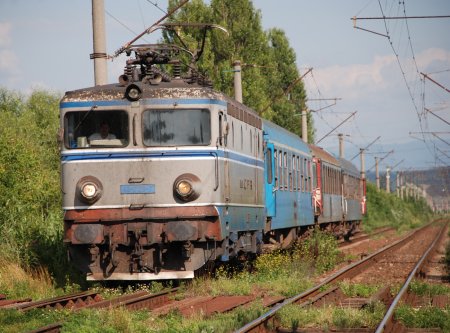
point(163, 302)
point(363, 236)
point(72, 301)
point(314, 295)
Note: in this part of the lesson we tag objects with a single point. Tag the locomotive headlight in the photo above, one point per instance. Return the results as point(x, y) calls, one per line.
point(89, 189)
point(184, 188)
point(187, 187)
point(133, 92)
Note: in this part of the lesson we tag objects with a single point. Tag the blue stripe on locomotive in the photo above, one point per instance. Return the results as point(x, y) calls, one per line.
point(188, 154)
point(292, 208)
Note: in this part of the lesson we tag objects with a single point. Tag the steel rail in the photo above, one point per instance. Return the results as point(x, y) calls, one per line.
point(345, 272)
point(71, 301)
point(136, 301)
point(52, 328)
point(359, 238)
point(387, 322)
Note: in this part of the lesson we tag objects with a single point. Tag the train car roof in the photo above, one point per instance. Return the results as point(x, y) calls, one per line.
point(349, 168)
point(321, 153)
point(282, 136)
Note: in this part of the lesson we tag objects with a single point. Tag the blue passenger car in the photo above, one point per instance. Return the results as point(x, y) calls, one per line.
point(288, 184)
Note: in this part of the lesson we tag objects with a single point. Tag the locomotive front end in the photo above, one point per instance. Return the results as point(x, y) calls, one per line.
point(140, 182)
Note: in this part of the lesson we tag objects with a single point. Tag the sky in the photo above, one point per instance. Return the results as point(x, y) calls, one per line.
point(46, 45)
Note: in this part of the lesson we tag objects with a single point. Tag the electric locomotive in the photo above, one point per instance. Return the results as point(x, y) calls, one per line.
point(179, 184)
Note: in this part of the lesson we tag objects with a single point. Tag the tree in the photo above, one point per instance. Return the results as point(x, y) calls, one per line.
point(30, 193)
point(268, 61)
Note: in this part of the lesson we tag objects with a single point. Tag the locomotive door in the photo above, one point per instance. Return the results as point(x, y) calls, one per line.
point(223, 138)
point(269, 180)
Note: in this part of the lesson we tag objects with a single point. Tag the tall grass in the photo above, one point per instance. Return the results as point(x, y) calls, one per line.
point(280, 273)
point(31, 229)
point(386, 209)
point(18, 283)
point(424, 317)
point(328, 317)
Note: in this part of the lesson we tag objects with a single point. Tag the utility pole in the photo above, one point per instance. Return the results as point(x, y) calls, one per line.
point(305, 125)
point(363, 164)
point(402, 186)
point(377, 176)
point(99, 40)
point(341, 145)
point(397, 184)
point(388, 181)
point(237, 81)
point(367, 147)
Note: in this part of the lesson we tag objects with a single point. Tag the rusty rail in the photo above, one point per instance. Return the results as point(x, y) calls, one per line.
point(360, 238)
point(136, 301)
point(351, 270)
point(387, 324)
point(52, 328)
point(77, 300)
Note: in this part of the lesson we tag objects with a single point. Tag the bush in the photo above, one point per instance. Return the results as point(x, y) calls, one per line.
point(31, 228)
point(386, 209)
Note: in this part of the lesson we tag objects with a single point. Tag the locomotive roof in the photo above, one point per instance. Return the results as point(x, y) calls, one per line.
point(173, 89)
point(349, 168)
point(321, 153)
point(282, 135)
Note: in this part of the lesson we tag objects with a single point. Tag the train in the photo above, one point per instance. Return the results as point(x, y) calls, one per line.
point(187, 176)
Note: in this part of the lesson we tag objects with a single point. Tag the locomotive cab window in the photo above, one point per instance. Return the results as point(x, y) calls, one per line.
point(95, 129)
point(177, 127)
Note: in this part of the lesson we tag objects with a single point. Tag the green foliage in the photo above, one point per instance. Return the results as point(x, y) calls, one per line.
point(280, 272)
point(30, 197)
point(447, 256)
point(424, 317)
point(120, 320)
point(321, 250)
point(386, 209)
point(13, 321)
point(269, 72)
point(293, 316)
point(358, 289)
point(426, 289)
point(220, 323)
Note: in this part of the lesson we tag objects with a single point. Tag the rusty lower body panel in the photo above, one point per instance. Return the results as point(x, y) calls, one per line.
point(144, 244)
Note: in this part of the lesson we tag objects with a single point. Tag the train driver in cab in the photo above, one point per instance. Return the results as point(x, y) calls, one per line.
point(103, 134)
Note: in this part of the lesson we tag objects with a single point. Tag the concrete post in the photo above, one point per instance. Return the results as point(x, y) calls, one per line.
point(237, 81)
point(341, 145)
point(397, 184)
point(99, 38)
point(363, 164)
point(377, 175)
point(305, 126)
point(388, 181)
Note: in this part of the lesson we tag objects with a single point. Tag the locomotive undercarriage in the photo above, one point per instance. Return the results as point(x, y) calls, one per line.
point(141, 249)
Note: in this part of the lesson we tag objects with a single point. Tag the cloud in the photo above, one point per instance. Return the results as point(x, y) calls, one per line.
point(381, 75)
point(5, 34)
point(8, 61)
point(353, 80)
point(431, 56)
